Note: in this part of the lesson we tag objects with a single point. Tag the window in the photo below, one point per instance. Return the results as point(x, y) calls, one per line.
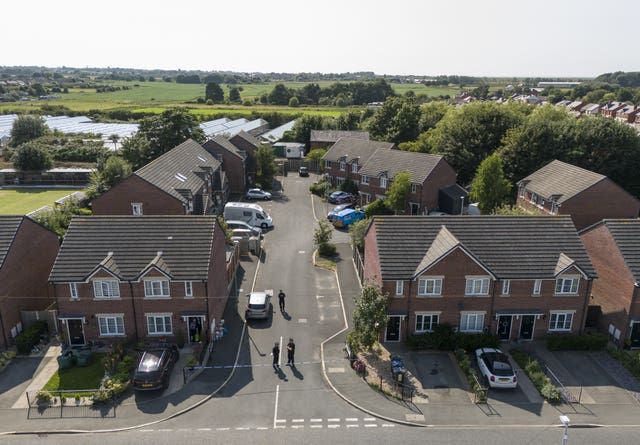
point(523, 193)
point(136, 208)
point(159, 324)
point(354, 168)
point(506, 284)
point(430, 286)
point(560, 321)
point(343, 166)
point(367, 197)
point(73, 290)
point(111, 325)
point(106, 289)
point(534, 198)
point(426, 322)
point(383, 182)
point(156, 288)
point(188, 289)
point(327, 164)
point(477, 286)
point(364, 179)
point(536, 287)
point(414, 188)
point(567, 286)
point(471, 322)
point(399, 287)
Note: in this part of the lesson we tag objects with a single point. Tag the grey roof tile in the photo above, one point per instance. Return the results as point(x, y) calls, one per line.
point(223, 142)
point(350, 149)
point(419, 165)
point(9, 225)
point(626, 235)
point(334, 135)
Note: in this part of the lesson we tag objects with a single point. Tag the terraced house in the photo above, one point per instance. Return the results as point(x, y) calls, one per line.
point(518, 277)
point(140, 278)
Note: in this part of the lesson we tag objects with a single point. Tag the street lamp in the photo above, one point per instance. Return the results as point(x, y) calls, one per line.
point(565, 421)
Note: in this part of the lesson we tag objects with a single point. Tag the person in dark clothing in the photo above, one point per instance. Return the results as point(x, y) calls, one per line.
point(275, 352)
point(281, 300)
point(291, 350)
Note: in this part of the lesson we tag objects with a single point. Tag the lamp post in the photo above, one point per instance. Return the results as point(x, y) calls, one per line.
point(565, 421)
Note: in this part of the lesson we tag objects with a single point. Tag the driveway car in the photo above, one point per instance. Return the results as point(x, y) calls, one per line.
point(495, 367)
point(258, 305)
point(258, 194)
point(347, 217)
point(339, 208)
point(155, 366)
point(340, 197)
point(234, 224)
point(303, 171)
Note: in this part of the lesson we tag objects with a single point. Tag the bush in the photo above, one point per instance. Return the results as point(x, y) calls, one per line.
point(8, 355)
point(630, 361)
point(587, 342)
point(445, 338)
point(30, 337)
point(43, 397)
point(551, 392)
point(465, 364)
point(321, 188)
point(532, 368)
point(327, 249)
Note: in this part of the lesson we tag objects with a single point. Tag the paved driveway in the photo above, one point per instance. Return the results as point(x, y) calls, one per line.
point(440, 377)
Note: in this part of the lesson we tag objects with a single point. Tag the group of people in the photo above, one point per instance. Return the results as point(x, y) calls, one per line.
point(291, 350)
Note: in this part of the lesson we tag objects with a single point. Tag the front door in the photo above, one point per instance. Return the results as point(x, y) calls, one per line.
point(75, 331)
point(504, 327)
point(393, 329)
point(415, 207)
point(195, 329)
point(526, 327)
point(635, 335)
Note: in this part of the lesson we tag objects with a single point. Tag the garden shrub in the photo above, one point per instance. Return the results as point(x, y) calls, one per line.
point(587, 342)
point(630, 361)
point(43, 397)
point(532, 368)
point(30, 337)
point(444, 338)
point(550, 392)
point(321, 188)
point(327, 249)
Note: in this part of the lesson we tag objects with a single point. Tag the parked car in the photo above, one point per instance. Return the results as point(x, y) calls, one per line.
point(340, 197)
point(155, 366)
point(339, 208)
point(235, 224)
point(495, 367)
point(258, 194)
point(303, 171)
point(258, 304)
point(347, 217)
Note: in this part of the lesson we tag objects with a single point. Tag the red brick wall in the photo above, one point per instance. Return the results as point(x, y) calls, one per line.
point(232, 165)
point(441, 176)
point(24, 275)
point(134, 189)
point(217, 281)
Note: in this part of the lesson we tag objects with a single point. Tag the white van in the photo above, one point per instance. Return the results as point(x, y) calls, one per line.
point(251, 213)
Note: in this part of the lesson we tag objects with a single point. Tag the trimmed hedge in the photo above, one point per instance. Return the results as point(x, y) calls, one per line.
point(469, 371)
point(630, 361)
point(445, 338)
point(586, 342)
point(30, 337)
point(532, 368)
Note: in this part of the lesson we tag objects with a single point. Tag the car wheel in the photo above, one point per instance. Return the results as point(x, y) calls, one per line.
point(266, 198)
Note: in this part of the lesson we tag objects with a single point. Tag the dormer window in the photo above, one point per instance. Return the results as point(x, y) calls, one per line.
point(354, 168)
point(156, 288)
point(106, 289)
point(343, 166)
point(383, 182)
point(364, 179)
point(136, 208)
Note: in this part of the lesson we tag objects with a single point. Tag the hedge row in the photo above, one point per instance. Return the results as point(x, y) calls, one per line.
point(472, 376)
point(586, 342)
point(629, 361)
point(445, 338)
point(532, 368)
point(27, 339)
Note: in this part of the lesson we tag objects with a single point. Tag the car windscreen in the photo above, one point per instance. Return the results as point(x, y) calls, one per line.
point(502, 368)
point(150, 361)
point(257, 307)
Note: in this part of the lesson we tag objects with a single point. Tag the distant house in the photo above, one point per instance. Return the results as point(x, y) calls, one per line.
point(520, 277)
point(559, 188)
point(249, 144)
point(234, 162)
point(591, 109)
point(610, 109)
point(137, 278)
point(27, 252)
point(326, 138)
point(627, 114)
point(186, 180)
point(614, 248)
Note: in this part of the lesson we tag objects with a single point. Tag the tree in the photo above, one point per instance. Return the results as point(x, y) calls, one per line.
point(397, 121)
point(114, 138)
point(115, 170)
point(294, 102)
point(489, 187)
point(398, 192)
point(322, 237)
point(59, 218)
point(315, 157)
point(370, 315)
point(31, 156)
point(280, 95)
point(349, 186)
point(214, 92)
point(266, 166)
point(234, 95)
point(377, 207)
point(357, 231)
point(27, 128)
point(301, 131)
point(136, 150)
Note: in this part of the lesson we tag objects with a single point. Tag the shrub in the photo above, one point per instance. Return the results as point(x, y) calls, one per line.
point(43, 397)
point(2, 362)
point(445, 338)
point(327, 249)
point(30, 337)
point(630, 361)
point(587, 342)
point(532, 368)
point(321, 188)
point(550, 392)
point(192, 361)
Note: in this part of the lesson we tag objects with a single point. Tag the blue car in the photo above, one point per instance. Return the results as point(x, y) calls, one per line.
point(340, 197)
point(347, 217)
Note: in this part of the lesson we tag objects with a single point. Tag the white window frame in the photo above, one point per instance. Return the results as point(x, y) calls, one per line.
point(136, 208)
point(188, 288)
point(113, 324)
point(152, 324)
point(383, 182)
point(434, 320)
point(561, 284)
point(533, 199)
point(537, 287)
point(559, 320)
point(414, 188)
point(471, 288)
point(430, 286)
point(364, 179)
point(523, 192)
point(399, 288)
point(478, 319)
point(156, 288)
point(354, 167)
point(327, 164)
point(73, 291)
point(506, 286)
point(112, 288)
point(343, 166)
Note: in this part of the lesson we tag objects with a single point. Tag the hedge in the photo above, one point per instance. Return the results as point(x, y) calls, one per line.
point(465, 364)
point(27, 339)
point(586, 342)
point(445, 338)
point(630, 361)
point(532, 368)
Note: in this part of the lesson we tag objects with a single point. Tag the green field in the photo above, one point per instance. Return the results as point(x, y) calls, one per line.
point(22, 201)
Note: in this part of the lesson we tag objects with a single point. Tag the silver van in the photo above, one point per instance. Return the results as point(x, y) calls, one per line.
point(252, 214)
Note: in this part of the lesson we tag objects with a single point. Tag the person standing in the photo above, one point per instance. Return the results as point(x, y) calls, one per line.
point(275, 352)
point(291, 350)
point(281, 298)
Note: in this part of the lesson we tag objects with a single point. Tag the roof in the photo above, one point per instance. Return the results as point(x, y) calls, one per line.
point(420, 165)
point(249, 138)
point(9, 226)
point(560, 180)
point(508, 247)
point(351, 149)
point(177, 170)
point(277, 133)
point(224, 143)
point(334, 135)
point(626, 235)
point(178, 245)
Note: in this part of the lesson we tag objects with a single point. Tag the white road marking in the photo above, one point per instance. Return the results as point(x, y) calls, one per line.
point(275, 412)
point(319, 296)
point(262, 428)
point(204, 429)
point(244, 428)
point(297, 426)
point(333, 426)
point(301, 251)
point(316, 426)
point(335, 370)
point(281, 420)
point(146, 431)
point(334, 420)
point(297, 421)
point(353, 426)
point(280, 356)
point(369, 419)
point(370, 425)
point(351, 419)
point(316, 420)
point(302, 320)
point(387, 425)
point(223, 429)
point(165, 430)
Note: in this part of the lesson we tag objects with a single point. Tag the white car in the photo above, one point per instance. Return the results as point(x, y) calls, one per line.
point(258, 194)
point(258, 305)
point(495, 367)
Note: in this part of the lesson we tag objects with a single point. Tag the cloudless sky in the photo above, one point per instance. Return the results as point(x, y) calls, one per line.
point(423, 37)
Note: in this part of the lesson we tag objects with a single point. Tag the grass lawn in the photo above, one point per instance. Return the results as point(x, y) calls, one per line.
point(22, 201)
point(75, 378)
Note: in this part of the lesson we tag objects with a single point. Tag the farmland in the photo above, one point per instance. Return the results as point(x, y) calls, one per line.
point(23, 201)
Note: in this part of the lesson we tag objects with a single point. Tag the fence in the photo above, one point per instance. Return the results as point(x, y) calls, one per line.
point(567, 395)
point(68, 404)
point(357, 260)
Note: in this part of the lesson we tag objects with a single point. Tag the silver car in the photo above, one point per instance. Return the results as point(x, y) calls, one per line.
point(258, 194)
point(235, 224)
point(258, 305)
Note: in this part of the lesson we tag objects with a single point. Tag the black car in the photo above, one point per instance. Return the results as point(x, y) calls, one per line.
point(303, 171)
point(155, 366)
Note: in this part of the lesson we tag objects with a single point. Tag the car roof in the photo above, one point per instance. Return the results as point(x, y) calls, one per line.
point(257, 297)
point(346, 212)
point(151, 359)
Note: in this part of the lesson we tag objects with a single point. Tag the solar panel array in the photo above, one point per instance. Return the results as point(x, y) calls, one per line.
point(277, 133)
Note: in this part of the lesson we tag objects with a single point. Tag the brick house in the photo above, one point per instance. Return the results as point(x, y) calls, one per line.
point(610, 109)
point(326, 138)
point(27, 252)
point(559, 188)
point(249, 144)
point(183, 181)
point(234, 162)
point(373, 165)
point(614, 248)
point(140, 278)
point(521, 277)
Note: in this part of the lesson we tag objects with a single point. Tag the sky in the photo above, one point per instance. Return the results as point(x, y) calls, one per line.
point(505, 38)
